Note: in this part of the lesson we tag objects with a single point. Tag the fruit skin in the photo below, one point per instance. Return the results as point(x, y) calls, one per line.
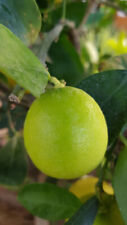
point(65, 133)
point(107, 215)
point(85, 187)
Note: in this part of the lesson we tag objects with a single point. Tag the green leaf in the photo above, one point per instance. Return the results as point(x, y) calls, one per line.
point(22, 18)
point(66, 63)
point(101, 18)
point(75, 12)
point(20, 64)
point(86, 214)
point(120, 183)
point(48, 201)
point(13, 162)
point(109, 89)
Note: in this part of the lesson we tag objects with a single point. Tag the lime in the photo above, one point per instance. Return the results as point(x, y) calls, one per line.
point(65, 133)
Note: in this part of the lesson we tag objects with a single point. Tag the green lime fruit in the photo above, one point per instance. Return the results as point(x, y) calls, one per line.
point(65, 133)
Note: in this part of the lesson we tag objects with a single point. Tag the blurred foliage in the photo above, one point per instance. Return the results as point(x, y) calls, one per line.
point(89, 37)
point(25, 23)
point(13, 162)
point(53, 15)
point(120, 181)
point(66, 65)
point(37, 198)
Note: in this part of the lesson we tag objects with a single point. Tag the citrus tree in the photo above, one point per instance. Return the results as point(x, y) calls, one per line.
point(63, 100)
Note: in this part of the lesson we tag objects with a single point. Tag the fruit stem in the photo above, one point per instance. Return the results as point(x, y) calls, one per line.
point(56, 83)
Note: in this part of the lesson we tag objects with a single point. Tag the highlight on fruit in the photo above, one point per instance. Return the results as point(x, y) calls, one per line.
point(65, 133)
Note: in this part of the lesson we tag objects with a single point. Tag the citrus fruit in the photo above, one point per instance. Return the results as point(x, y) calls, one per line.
point(65, 133)
point(84, 188)
point(108, 214)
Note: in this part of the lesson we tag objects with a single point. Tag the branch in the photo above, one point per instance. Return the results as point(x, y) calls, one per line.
point(25, 101)
point(91, 5)
point(17, 95)
point(42, 47)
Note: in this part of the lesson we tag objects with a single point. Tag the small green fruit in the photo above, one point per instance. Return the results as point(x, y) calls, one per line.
point(65, 133)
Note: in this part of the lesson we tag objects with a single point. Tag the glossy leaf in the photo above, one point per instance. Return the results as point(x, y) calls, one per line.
point(109, 89)
point(48, 201)
point(13, 162)
point(22, 18)
point(86, 214)
point(65, 62)
point(120, 183)
point(20, 64)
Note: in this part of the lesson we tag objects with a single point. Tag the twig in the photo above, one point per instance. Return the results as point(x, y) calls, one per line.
point(26, 101)
point(17, 94)
point(42, 47)
point(74, 38)
point(75, 33)
point(64, 10)
point(91, 5)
